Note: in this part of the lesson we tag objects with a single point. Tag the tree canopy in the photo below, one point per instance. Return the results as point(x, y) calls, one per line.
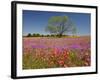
point(59, 25)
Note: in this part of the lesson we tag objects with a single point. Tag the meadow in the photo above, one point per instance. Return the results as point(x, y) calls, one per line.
point(50, 52)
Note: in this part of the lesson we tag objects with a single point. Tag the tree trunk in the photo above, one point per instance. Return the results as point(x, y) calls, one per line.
point(60, 35)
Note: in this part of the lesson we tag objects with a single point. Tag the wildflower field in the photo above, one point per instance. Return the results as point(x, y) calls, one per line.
point(51, 52)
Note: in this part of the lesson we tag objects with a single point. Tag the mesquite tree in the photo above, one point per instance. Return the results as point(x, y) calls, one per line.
point(59, 25)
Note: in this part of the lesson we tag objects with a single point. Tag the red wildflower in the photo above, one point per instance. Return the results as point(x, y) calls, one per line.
point(65, 65)
point(61, 63)
point(55, 51)
point(65, 54)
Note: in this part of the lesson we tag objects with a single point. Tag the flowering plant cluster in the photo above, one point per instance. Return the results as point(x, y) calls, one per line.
point(41, 53)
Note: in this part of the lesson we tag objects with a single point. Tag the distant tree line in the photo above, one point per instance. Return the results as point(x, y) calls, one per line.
point(42, 35)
